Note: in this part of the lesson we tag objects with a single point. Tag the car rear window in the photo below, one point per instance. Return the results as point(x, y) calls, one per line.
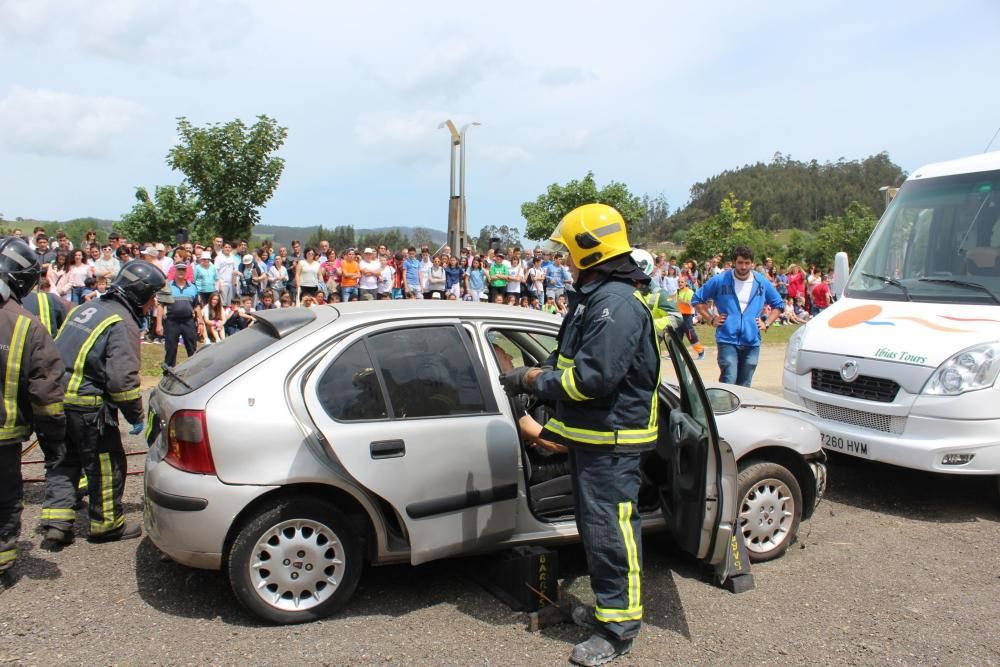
point(210, 361)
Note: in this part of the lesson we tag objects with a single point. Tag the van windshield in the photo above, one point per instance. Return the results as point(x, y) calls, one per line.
point(939, 241)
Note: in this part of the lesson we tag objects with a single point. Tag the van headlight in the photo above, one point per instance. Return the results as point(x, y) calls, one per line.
point(971, 369)
point(792, 350)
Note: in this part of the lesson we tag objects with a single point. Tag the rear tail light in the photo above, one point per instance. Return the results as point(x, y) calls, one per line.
point(187, 443)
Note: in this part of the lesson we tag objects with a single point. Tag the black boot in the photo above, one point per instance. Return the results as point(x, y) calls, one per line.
point(598, 650)
point(56, 539)
point(583, 616)
point(129, 531)
point(7, 579)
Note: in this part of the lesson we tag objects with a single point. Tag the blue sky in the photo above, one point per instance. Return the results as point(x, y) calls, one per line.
point(658, 95)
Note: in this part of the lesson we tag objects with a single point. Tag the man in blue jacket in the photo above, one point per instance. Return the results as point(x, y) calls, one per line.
point(740, 295)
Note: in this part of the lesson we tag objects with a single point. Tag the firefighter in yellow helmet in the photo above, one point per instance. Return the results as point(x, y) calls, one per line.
point(603, 382)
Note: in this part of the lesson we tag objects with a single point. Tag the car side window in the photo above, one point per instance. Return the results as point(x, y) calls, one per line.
point(427, 372)
point(349, 389)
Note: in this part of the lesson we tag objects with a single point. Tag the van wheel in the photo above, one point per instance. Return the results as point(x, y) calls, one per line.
point(296, 561)
point(770, 509)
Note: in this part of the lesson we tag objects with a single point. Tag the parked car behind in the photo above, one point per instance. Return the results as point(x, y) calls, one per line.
point(318, 440)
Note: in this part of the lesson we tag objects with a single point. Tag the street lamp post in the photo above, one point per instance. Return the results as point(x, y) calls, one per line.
point(457, 229)
point(463, 230)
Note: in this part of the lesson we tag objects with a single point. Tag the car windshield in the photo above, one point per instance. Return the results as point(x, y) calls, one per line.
point(939, 241)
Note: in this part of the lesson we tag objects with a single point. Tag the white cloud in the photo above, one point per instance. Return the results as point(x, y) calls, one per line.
point(405, 137)
point(413, 137)
point(45, 122)
point(176, 34)
point(566, 75)
point(498, 153)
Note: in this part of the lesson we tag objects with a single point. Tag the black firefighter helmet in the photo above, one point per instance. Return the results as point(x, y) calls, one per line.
point(19, 267)
point(137, 281)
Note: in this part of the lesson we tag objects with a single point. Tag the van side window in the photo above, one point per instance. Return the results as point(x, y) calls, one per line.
point(349, 389)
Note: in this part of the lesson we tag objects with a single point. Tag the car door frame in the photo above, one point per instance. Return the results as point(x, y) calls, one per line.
point(427, 521)
point(720, 502)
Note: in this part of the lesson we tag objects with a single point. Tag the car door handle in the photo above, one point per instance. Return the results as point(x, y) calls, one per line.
point(387, 449)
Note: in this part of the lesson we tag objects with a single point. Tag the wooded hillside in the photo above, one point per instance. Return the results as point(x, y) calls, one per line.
point(791, 194)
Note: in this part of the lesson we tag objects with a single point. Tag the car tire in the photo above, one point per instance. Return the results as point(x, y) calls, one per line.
point(315, 559)
point(770, 509)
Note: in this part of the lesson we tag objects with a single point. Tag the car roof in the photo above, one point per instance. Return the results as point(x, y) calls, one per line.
point(965, 165)
point(421, 308)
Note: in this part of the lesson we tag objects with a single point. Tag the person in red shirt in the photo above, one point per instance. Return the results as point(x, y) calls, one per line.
point(796, 282)
point(820, 295)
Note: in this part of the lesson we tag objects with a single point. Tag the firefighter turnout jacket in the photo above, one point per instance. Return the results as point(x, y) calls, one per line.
point(606, 371)
point(31, 373)
point(99, 344)
point(31, 400)
point(48, 308)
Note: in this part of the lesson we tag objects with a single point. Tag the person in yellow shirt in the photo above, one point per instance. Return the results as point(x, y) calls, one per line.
point(684, 296)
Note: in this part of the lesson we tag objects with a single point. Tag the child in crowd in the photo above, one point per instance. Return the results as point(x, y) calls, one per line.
point(89, 289)
point(239, 319)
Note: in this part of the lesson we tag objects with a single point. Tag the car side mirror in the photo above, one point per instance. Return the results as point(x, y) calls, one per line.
point(841, 271)
point(722, 400)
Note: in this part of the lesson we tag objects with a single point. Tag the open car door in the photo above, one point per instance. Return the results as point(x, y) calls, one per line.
point(697, 486)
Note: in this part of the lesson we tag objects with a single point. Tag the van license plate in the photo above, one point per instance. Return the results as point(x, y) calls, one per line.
point(846, 445)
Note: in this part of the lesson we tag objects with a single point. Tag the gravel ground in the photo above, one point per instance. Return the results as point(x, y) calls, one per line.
point(897, 567)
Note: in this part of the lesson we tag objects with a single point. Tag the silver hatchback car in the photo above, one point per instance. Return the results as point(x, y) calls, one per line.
point(318, 440)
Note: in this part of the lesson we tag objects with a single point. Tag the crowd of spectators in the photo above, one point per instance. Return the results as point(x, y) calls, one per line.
point(231, 279)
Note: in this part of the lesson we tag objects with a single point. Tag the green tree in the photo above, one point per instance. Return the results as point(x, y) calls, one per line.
point(340, 237)
point(422, 238)
point(848, 233)
point(655, 224)
point(730, 227)
point(543, 214)
point(393, 239)
point(232, 168)
point(509, 237)
point(158, 217)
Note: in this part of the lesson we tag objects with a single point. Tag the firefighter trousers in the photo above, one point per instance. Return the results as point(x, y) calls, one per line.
point(11, 492)
point(93, 443)
point(606, 493)
point(12, 495)
point(173, 331)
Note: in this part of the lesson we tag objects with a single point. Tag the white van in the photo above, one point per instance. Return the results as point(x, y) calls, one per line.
point(903, 367)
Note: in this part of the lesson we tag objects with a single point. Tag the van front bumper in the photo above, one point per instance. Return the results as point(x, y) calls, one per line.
point(922, 445)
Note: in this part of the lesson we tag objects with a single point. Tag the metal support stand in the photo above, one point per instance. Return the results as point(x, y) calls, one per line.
point(734, 573)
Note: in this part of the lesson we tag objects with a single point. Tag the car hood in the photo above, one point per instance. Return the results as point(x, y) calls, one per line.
point(764, 420)
point(755, 398)
point(922, 334)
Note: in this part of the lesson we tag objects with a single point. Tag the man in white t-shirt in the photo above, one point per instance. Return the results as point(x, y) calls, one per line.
point(740, 296)
point(225, 268)
point(371, 269)
point(163, 260)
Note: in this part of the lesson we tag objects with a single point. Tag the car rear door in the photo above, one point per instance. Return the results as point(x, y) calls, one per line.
point(407, 411)
point(698, 490)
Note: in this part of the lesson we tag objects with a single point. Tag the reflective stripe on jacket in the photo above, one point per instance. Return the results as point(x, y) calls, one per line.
point(31, 378)
point(99, 344)
point(48, 308)
point(606, 372)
